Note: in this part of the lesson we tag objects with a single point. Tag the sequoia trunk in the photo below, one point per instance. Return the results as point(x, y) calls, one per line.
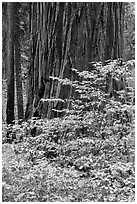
point(68, 35)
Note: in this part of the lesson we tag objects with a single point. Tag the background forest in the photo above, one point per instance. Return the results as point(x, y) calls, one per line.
point(68, 101)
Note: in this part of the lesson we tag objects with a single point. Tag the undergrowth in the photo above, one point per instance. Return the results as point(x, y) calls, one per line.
point(87, 155)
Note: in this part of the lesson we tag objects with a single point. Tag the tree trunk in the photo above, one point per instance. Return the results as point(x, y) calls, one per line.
point(17, 56)
point(65, 36)
point(10, 66)
point(19, 81)
point(4, 40)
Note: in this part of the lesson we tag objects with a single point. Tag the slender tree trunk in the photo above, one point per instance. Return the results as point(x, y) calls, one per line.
point(17, 56)
point(4, 40)
point(19, 80)
point(65, 36)
point(10, 66)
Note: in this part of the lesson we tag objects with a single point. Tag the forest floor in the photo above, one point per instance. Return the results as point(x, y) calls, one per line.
point(103, 176)
point(71, 160)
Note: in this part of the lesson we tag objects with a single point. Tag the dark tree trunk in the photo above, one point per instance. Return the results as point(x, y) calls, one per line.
point(64, 36)
point(4, 40)
point(10, 66)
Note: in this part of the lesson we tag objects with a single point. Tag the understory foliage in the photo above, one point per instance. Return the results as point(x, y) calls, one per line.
point(86, 155)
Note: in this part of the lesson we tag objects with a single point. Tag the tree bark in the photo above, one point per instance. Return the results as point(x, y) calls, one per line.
point(65, 36)
point(19, 80)
point(10, 66)
point(17, 56)
point(4, 40)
